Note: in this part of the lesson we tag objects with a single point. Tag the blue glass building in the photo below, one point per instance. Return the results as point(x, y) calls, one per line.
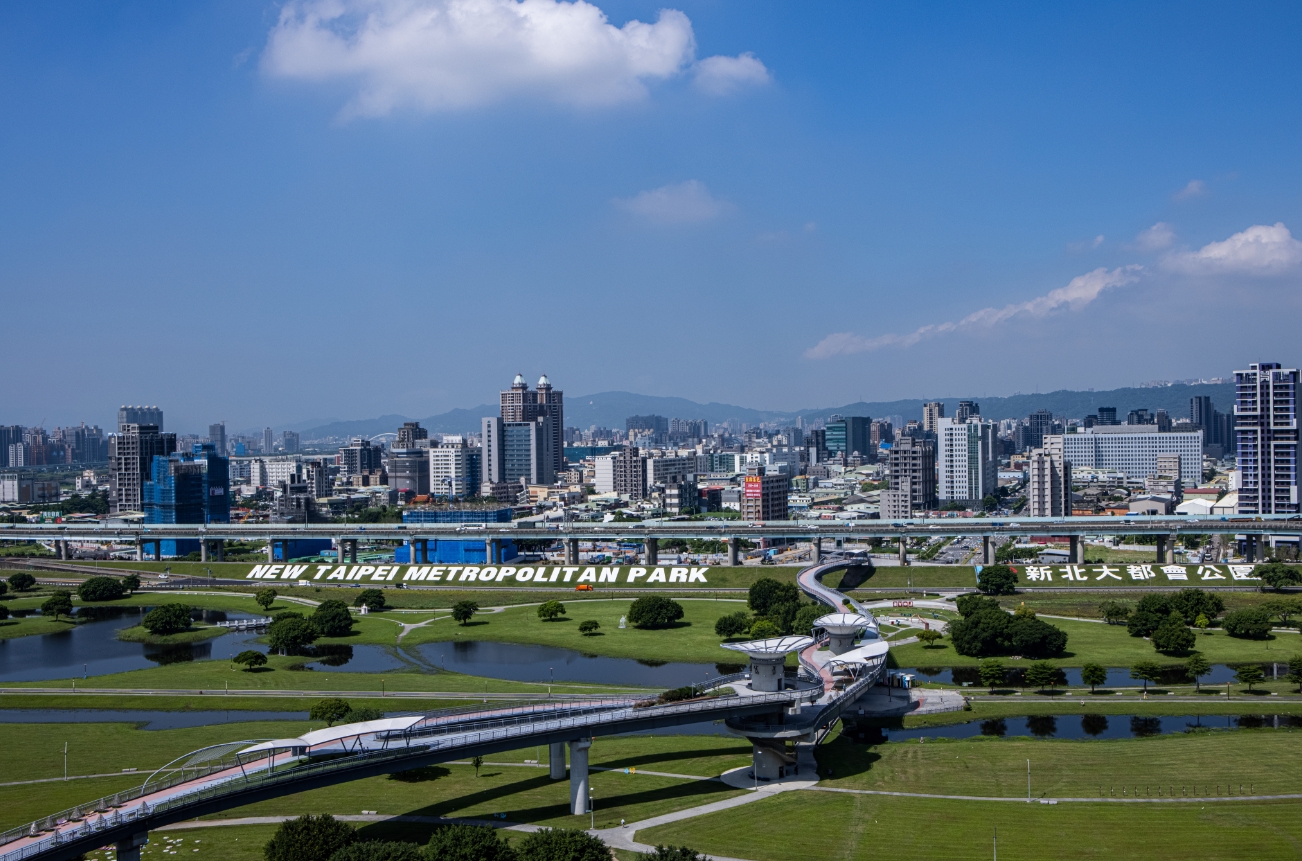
point(188, 488)
point(451, 552)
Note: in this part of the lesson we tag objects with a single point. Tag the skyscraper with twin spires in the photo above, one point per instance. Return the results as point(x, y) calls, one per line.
point(522, 404)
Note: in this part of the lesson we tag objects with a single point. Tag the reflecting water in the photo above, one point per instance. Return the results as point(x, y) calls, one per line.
point(1117, 676)
point(1087, 726)
point(534, 663)
point(149, 719)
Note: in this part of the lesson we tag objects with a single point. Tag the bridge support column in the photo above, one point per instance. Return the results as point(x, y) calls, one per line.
point(158, 550)
point(571, 551)
point(1170, 548)
point(63, 550)
point(140, 550)
point(271, 550)
point(352, 551)
point(987, 553)
point(203, 549)
point(766, 762)
point(817, 554)
point(220, 547)
point(1249, 548)
point(904, 550)
point(129, 849)
point(732, 552)
point(1161, 550)
point(1075, 550)
point(652, 551)
point(420, 552)
point(556, 760)
point(492, 551)
point(766, 673)
point(579, 775)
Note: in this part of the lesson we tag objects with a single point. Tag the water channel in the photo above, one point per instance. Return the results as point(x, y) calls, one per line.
point(1088, 726)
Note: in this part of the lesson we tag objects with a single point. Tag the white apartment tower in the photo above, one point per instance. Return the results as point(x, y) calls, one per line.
point(1049, 480)
point(968, 465)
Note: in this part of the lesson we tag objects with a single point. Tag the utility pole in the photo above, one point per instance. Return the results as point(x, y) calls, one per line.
point(1028, 781)
point(65, 760)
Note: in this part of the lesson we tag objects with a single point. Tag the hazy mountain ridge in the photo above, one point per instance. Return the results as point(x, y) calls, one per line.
point(610, 409)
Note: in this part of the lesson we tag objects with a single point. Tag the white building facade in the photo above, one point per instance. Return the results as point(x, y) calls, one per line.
point(1124, 448)
point(968, 466)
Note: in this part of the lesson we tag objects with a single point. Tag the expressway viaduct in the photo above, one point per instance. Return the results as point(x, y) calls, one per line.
point(147, 538)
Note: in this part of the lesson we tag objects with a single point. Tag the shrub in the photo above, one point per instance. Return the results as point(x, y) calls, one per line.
point(167, 619)
point(997, 580)
point(1173, 635)
point(131, 582)
point(468, 843)
point(372, 599)
point(379, 850)
point(654, 611)
point(332, 619)
point(929, 638)
point(677, 695)
point(287, 614)
point(971, 603)
point(22, 581)
point(562, 844)
point(291, 634)
point(250, 658)
point(363, 713)
point(4, 587)
point(672, 853)
point(101, 589)
point(732, 625)
point(1114, 612)
point(589, 627)
point(330, 710)
point(464, 611)
point(549, 611)
point(309, 838)
point(764, 629)
point(767, 593)
point(265, 598)
point(1251, 623)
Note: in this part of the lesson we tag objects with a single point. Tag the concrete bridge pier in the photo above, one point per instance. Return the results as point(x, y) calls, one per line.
point(203, 550)
point(769, 759)
point(63, 549)
point(987, 552)
point(140, 550)
point(1161, 550)
point(1250, 548)
point(733, 557)
point(579, 775)
point(817, 553)
point(129, 849)
point(220, 546)
point(420, 551)
point(904, 550)
point(571, 551)
point(271, 550)
point(158, 550)
point(652, 551)
point(492, 551)
point(767, 672)
point(1075, 550)
point(556, 760)
point(352, 551)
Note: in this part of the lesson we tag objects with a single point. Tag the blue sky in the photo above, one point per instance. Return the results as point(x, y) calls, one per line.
point(268, 213)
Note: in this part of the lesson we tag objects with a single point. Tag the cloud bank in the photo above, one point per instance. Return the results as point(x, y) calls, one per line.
point(437, 55)
point(1259, 250)
point(1079, 292)
point(681, 203)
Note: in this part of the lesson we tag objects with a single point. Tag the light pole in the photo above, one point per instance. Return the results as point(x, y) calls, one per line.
point(1028, 781)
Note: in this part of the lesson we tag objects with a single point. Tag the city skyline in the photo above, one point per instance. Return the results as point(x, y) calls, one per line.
point(905, 188)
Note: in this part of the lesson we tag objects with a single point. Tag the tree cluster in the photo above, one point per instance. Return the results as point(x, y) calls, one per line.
point(654, 611)
point(1165, 619)
point(997, 580)
point(1277, 575)
point(167, 619)
point(777, 610)
point(101, 589)
point(986, 629)
point(335, 710)
point(290, 630)
point(1252, 623)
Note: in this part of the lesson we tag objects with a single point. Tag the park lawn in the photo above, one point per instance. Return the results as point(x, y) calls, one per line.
point(196, 634)
point(985, 708)
point(31, 625)
point(208, 702)
point(227, 843)
point(1112, 646)
point(1265, 762)
point(1087, 606)
point(693, 639)
point(796, 826)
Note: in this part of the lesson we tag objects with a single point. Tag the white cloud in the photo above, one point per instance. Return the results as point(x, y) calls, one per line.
point(436, 55)
point(1259, 250)
point(1155, 238)
point(1195, 188)
point(1079, 292)
point(680, 203)
point(722, 76)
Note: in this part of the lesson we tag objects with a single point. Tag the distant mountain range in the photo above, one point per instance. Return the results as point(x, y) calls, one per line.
point(610, 409)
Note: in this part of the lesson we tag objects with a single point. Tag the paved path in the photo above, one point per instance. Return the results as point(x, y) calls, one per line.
point(1065, 800)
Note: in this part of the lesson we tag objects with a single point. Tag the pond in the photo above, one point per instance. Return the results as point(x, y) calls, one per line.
point(1117, 676)
point(1087, 726)
point(148, 719)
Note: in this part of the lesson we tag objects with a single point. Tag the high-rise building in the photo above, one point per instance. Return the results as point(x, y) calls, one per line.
point(1266, 432)
point(289, 441)
point(268, 441)
point(880, 431)
point(449, 468)
point(360, 458)
point(685, 430)
point(1107, 416)
point(1048, 491)
point(410, 436)
point(968, 461)
point(139, 416)
point(1039, 424)
point(967, 409)
point(932, 413)
point(409, 470)
point(520, 404)
point(188, 488)
point(9, 435)
point(816, 445)
point(764, 494)
point(911, 467)
point(1134, 450)
point(517, 452)
point(131, 458)
point(622, 472)
point(850, 435)
point(217, 436)
point(1217, 427)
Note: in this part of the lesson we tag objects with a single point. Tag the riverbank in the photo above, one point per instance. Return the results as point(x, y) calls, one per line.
point(139, 634)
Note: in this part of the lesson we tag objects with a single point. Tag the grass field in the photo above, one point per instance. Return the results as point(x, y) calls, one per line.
point(985, 709)
point(796, 826)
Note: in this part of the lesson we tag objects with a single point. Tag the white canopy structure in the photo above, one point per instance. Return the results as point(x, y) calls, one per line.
point(767, 658)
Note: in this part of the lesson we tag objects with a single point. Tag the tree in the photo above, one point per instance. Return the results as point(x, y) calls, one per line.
point(372, 599)
point(265, 598)
point(332, 619)
point(929, 637)
point(1142, 623)
point(992, 673)
point(478, 763)
point(1041, 675)
point(766, 593)
point(309, 838)
point(330, 710)
point(997, 580)
point(672, 853)
point(167, 619)
point(1149, 671)
point(1284, 608)
point(654, 611)
point(1250, 674)
point(732, 625)
point(251, 659)
point(1294, 673)
point(468, 843)
point(1202, 622)
point(58, 604)
point(22, 581)
point(379, 850)
point(1173, 635)
point(550, 611)
point(1277, 576)
point(464, 611)
point(972, 603)
point(131, 583)
point(980, 633)
point(4, 587)
point(100, 589)
point(357, 714)
point(589, 627)
point(290, 635)
point(4, 612)
point(1196, 667)
point(763, 629)
point(1249, 623)
point(1035, 638)
point(562, 844)
point(805, 618)
point(1192, 603)
point(1093, 674)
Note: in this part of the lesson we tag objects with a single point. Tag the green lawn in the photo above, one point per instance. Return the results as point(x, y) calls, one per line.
point(986, 708)
point(1112, 646)
point(30, 625)
point(796, 826)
